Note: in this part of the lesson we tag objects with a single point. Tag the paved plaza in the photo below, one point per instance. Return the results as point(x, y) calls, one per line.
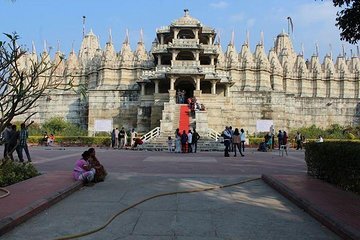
point(252, 210)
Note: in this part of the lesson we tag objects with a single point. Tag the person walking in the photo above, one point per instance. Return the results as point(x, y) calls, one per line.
point(236, 141)
point(121, 137)
point(169, 143)
point(280, 138)
point(195, 139)
point(177, 141)
point(13, 143)
point(184, 139)
point(133, 137)
point(5, 135)
point(242, 139)
point(116, 134)
point(23, 136)
point(298, 139)
point(113, 138)
point(227, 141)
point(190, 142)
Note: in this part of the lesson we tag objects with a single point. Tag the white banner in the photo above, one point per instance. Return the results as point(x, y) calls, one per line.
point(103, 125)
point(264, 125)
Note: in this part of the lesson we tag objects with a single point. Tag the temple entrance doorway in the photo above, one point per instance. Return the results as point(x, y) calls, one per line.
point(186, 85)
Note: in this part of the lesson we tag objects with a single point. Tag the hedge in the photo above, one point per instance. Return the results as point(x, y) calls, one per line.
point(335, 162)
point(12, 172)
point(74, 140)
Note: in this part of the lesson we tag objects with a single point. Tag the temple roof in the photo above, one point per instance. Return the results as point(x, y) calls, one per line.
point(186, 20)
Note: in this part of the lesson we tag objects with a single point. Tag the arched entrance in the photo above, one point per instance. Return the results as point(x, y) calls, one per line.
point(186, 84)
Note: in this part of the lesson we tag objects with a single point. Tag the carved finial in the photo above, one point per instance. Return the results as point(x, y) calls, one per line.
point(72, 47)
point(232, 37)
point(247, 37)
point(343, 50)
point(110, 36)
point(141, 35)
point(33, 47)
point(330, 46)
point(127, 37)
point(302, 49)
point(316, 49)
point(45, 47)
point(262, 38)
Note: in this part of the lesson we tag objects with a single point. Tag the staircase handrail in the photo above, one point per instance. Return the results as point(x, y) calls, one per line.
point(151, 135)
point(213, 134)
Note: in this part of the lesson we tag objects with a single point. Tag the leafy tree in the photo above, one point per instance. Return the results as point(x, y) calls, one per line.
point(23, 80)
point(348, 20)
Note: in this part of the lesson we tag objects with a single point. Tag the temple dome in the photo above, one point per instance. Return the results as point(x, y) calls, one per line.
point(186, 20)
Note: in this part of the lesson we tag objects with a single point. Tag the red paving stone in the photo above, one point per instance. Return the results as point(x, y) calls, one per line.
point(33, 196)
point(333, 207)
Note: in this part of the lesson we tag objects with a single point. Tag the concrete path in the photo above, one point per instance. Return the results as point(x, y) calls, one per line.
point(251, 210)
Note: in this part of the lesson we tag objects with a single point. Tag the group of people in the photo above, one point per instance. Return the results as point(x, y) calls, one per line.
point(180, 96)
point(195, 105)
point(185, 142)
point(88, 169)
point(48, 140)
point(15, 140)
point(269, 141)
point(234, 139)
point(119, 138)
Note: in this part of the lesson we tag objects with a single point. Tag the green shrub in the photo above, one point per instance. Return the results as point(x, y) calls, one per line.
point(12, 172)
point(335, 162)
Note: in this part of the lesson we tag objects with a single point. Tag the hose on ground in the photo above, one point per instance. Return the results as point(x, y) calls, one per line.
point(82, 234)
point(7, 192)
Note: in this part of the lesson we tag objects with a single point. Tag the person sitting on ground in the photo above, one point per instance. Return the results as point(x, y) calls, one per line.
point(51, 140)
point(320, 140)
point(83, 170)
point(100, 172)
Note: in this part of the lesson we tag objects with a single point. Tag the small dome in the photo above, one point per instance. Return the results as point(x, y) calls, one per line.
point(186, 20)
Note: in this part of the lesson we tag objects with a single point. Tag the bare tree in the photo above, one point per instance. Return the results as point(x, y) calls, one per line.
point(23, 80)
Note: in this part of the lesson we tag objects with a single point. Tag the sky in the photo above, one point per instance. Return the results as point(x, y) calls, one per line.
point(60, 23)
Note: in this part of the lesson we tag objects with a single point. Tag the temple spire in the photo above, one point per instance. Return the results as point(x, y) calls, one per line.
point(262, 37)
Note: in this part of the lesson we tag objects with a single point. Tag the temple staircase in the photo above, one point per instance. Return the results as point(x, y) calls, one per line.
point(178, 116)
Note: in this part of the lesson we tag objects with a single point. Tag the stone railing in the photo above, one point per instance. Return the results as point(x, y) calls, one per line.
point(214, 134)
point(151, 135)
point(182, 42)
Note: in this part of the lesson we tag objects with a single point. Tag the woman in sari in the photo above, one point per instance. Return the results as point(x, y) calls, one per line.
point(83, 170)
point(100, 173)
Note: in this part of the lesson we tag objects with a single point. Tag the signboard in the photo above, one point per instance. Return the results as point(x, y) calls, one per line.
point(103, 125)
point(264, 125)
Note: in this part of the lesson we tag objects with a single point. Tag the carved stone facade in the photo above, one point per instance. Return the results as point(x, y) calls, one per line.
point(137, 89)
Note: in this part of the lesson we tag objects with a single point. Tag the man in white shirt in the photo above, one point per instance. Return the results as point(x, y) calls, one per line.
point(189, 141)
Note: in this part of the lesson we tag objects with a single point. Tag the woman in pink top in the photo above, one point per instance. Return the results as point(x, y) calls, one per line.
point(82, 170)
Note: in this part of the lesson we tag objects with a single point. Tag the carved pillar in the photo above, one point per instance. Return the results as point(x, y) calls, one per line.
point(212, 60)
point(197, 83)
point(161, 39)
point(159, 60)
point(176, 32)
point(156, 86)
point(196, 34)
point(210, 40)
point(213, 87)
point(197, 56)
point(172, 83)
point(142, 89)
point(226, 90)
